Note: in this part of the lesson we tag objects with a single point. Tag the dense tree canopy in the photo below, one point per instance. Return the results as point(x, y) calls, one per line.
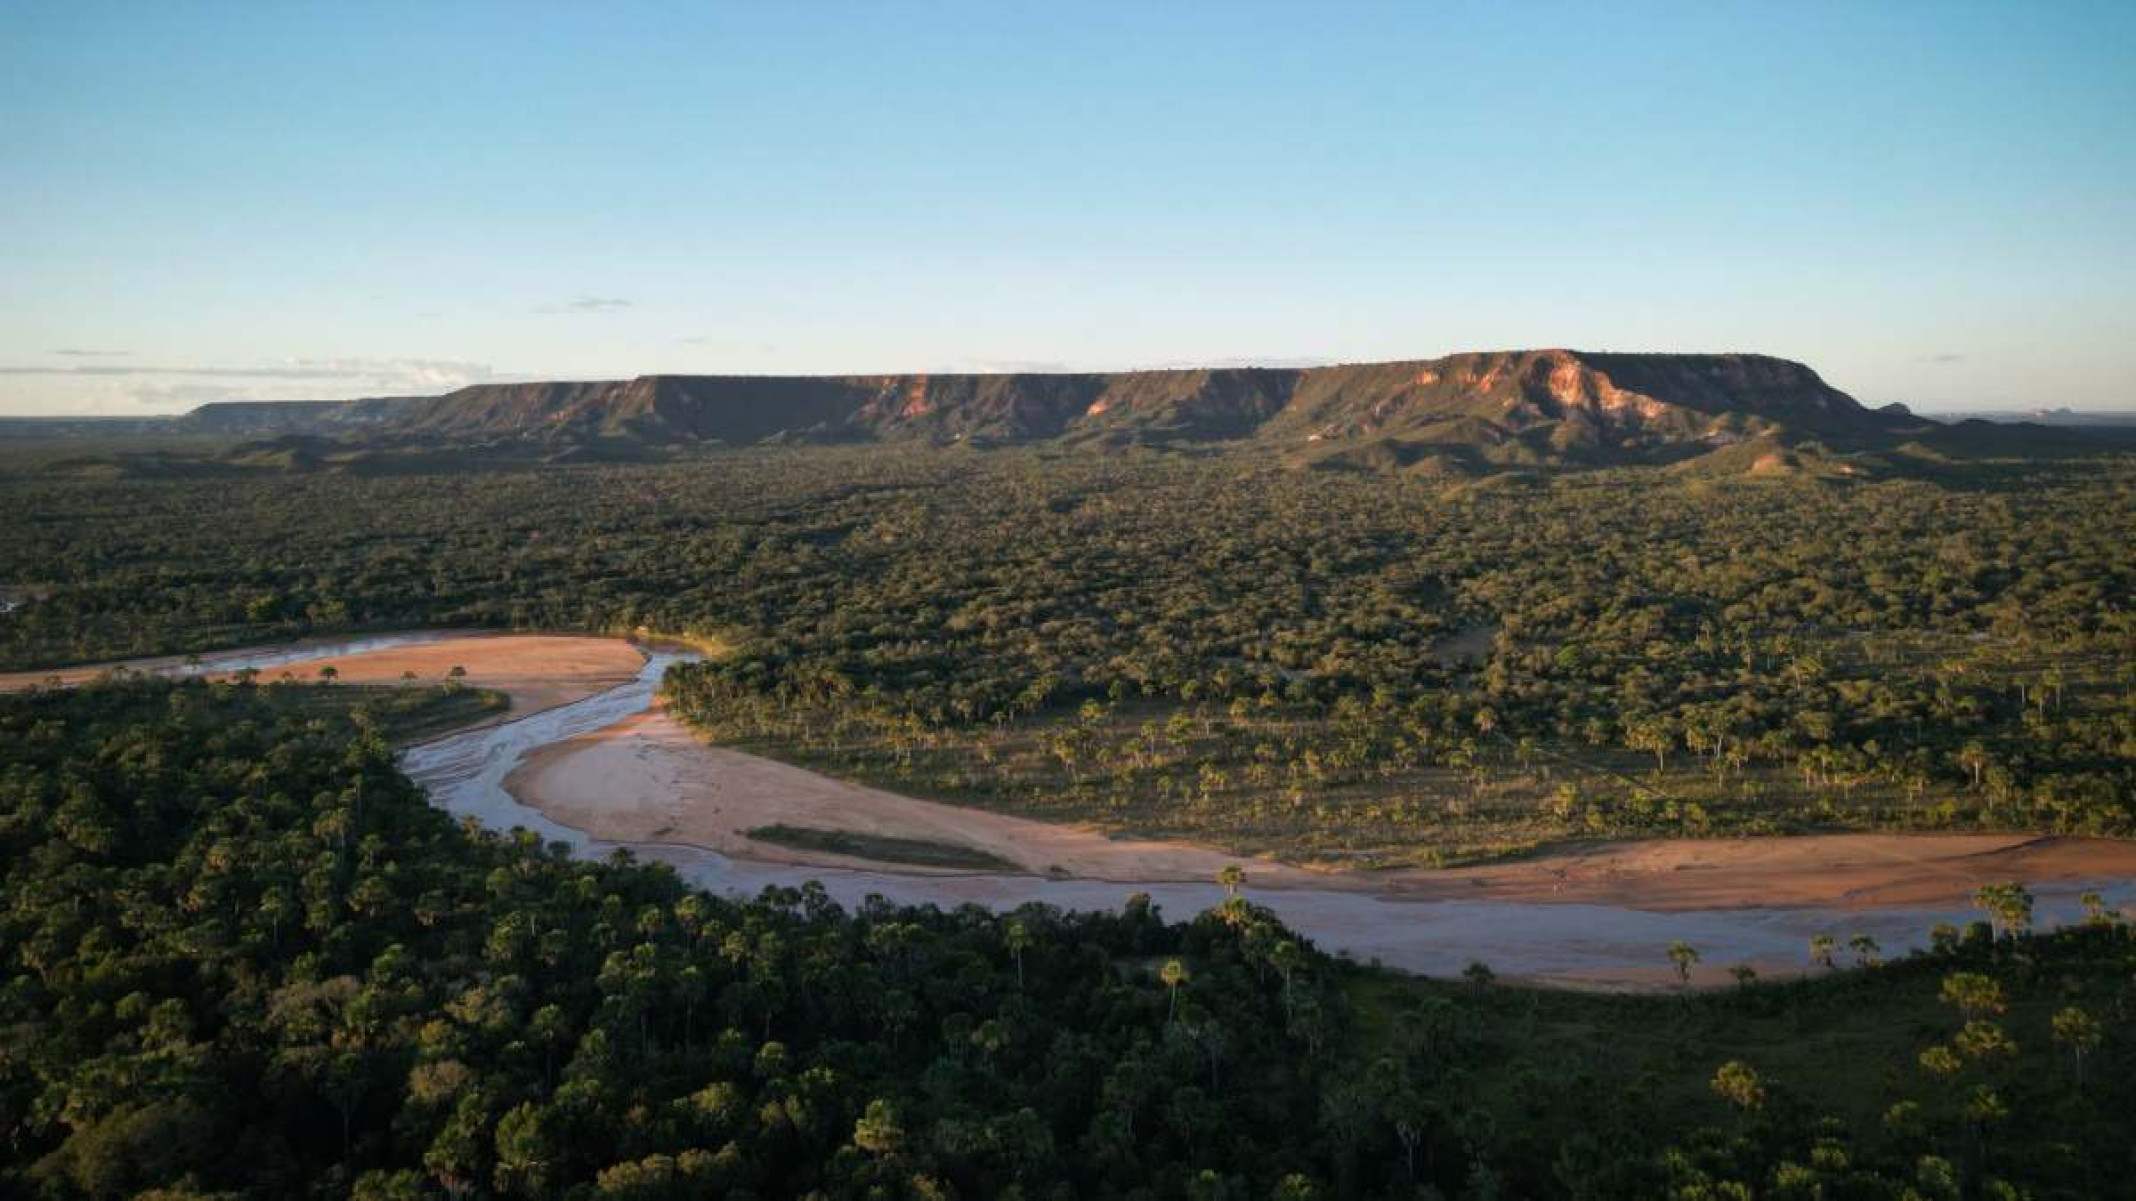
point(1325, 664)
point(243, 958)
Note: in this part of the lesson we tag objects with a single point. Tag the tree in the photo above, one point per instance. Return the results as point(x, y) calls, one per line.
point(525, 1156)
point(1295, 1187)
point(1232, 877)
point(329, 673)
point(2096, 910)
point(1941, 1061)
point(1174, 974)
point(1985, 1107)
point(1651, 734)
point(1973, 994)
point(1737, 1083)
point(2081, 1033)
point(877, 1131)
point(455, 1157)
point(1865, 950)
point(2009, 906)
point(1684, 956)
point(1974, 758)
point(1984, 1040)
point(1821, 948)
point(1287, 958)
point(1018, 937)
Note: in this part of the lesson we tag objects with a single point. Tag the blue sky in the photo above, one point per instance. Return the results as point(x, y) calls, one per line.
point(1928, 202)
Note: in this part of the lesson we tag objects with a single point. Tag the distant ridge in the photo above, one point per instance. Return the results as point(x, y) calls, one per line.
point(1531, 407)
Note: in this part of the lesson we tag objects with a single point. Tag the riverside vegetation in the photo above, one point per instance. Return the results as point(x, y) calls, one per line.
point(240, 956)
point(1326, 665)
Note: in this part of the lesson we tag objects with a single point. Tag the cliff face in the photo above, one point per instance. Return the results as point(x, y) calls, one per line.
point(1508, 406)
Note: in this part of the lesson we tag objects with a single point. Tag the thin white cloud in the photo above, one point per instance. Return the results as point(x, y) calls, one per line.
point(587, 304)
point(186, 396)
point(169, 386)
point(416, 370)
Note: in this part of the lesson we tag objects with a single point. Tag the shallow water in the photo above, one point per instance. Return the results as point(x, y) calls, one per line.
point(464, 774)
point(262, 660)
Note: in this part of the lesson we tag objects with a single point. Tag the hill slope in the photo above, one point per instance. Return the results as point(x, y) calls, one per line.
point(1504, 407)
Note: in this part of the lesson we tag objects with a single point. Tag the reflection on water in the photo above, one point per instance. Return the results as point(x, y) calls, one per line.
point(464, 773)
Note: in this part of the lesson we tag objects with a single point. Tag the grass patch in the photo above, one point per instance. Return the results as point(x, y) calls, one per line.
point(884, 849)
point(404, 714)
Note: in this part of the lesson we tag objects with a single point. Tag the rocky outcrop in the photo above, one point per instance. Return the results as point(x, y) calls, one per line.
point(1506, 406)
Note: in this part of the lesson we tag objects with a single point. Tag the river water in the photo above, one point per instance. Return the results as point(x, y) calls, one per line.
point(464, 774)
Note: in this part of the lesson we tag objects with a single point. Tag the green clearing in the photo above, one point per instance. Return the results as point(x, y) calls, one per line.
point(917, 851)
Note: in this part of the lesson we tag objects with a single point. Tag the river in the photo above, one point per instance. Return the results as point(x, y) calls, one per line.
point(1562, 942)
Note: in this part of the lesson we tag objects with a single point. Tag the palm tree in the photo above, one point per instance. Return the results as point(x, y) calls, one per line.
point(2095, 911)
point(1232, 877)
point(1173, 974)
point(1865, 950)
point(1975, 995)
point(1018, 937)
point(1737, 1083)
point(2009, 905)
point(1973, 757)
point(2081, 1033)
point(1684, 956)
point(1821, 946)
point(878, 1131)
point(1287, 958)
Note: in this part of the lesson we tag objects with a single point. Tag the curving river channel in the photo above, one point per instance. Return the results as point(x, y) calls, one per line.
point(1567, 942)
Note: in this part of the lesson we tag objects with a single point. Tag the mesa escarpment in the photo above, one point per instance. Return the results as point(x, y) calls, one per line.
point(1506, 408)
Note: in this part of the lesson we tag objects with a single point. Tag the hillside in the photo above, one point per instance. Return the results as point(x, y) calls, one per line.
point(1505, 407)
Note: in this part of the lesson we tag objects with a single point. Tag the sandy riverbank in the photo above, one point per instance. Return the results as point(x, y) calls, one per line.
point(649, 779)
point(1844, 871)
point(537, 671)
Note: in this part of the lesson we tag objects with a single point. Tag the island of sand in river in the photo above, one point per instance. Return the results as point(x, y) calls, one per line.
point(649, 779)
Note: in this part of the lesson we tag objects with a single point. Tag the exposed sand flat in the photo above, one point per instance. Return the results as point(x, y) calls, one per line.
point(649, 779)
point(1845, 871)
point(537, 671)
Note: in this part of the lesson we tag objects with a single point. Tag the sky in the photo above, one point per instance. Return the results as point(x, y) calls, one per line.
point(1932, 203)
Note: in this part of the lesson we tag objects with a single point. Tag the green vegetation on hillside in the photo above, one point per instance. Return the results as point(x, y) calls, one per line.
point(240, 957)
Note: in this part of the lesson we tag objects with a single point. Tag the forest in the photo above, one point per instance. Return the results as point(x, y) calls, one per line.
point(244, 958)
point(1334, 667)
